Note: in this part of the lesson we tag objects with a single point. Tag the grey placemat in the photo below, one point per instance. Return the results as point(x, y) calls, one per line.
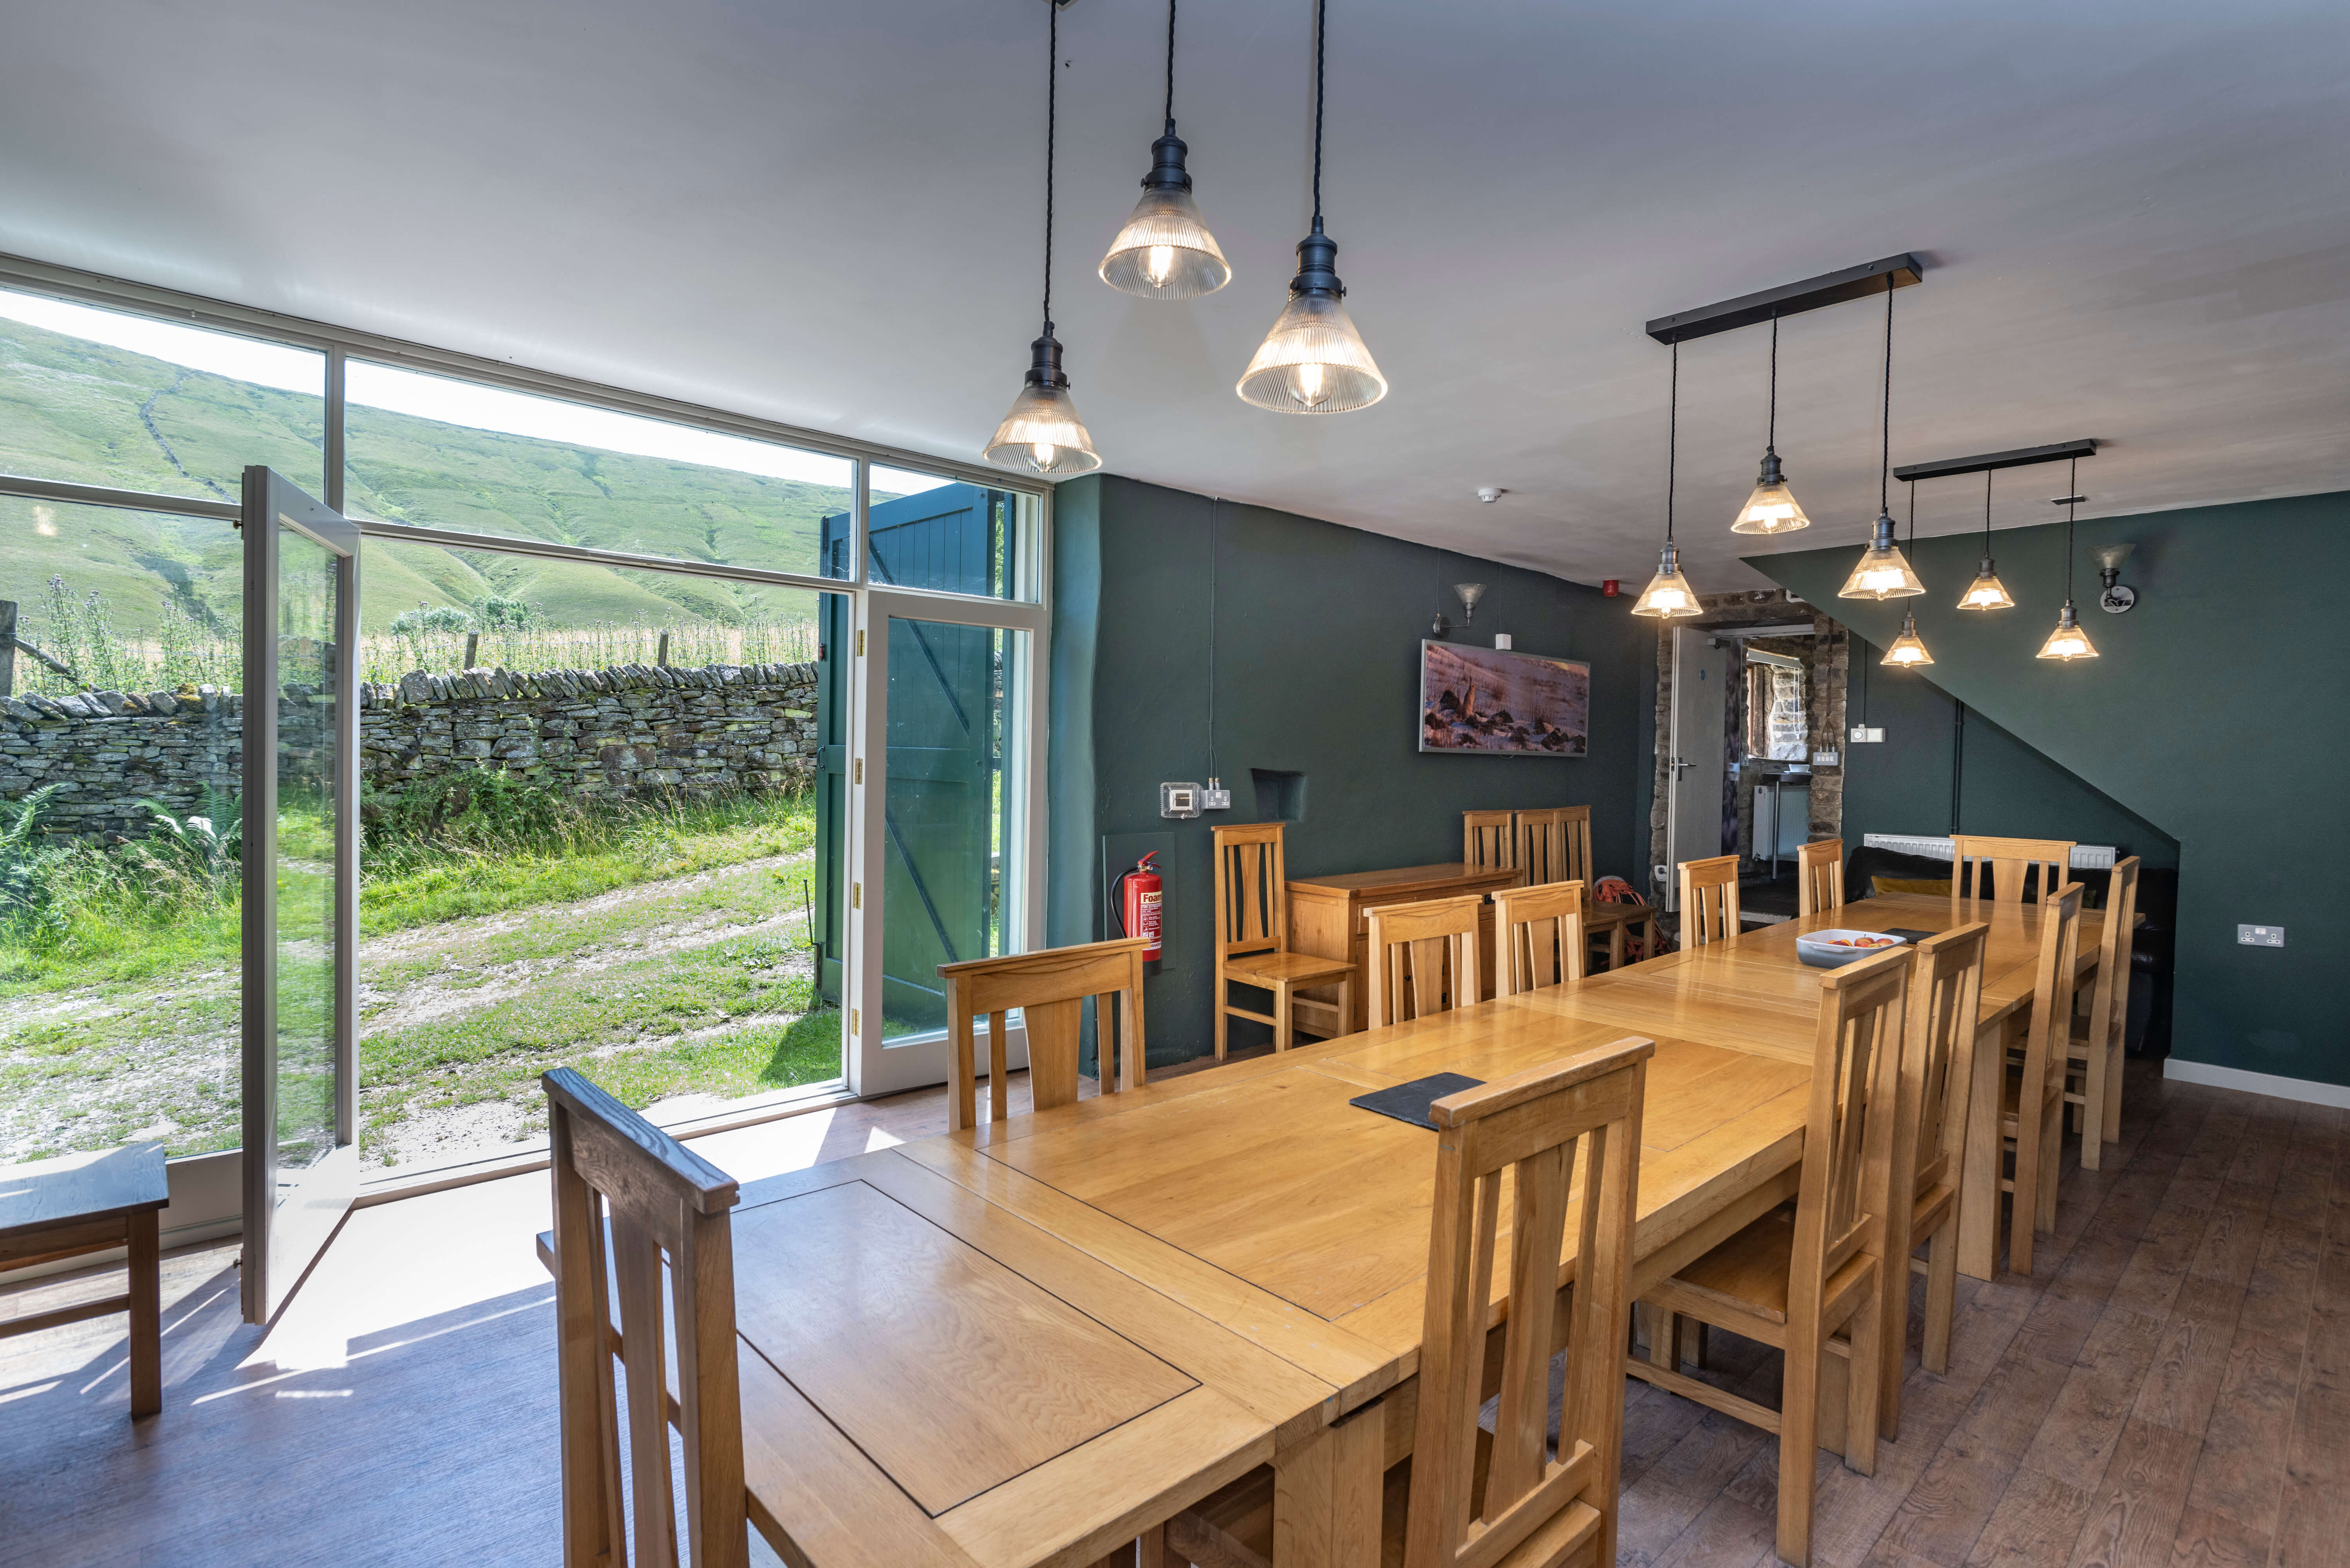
point(1409, 1102)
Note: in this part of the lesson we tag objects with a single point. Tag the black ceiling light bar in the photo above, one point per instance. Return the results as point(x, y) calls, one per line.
point(1789, 299)
point(1946, 467)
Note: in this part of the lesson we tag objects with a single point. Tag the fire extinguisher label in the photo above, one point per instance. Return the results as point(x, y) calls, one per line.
point(1146, 920)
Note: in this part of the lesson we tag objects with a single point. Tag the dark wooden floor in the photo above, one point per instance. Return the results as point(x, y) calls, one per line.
point(2174, 1387)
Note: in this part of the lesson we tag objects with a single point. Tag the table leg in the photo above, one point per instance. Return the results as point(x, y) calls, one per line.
point(146, 1316)
point(1978, 1176)
point(1326, 1495)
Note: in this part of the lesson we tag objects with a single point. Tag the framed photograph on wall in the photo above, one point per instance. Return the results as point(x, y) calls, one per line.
point(1502, 702)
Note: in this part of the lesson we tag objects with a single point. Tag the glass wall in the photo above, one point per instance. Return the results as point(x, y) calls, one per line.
point(438, 453)
point(104, 397)
point(120, 829)
point(603, 810)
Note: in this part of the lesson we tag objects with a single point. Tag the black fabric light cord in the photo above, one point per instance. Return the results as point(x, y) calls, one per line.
point(2072, 505)
point(1051, 122)
point(1884, 451)
point(1913, 518)
point(1321, 15)
point(1986, 512)
point(1771, 441)
point(1171, 68)
point(1672, 436)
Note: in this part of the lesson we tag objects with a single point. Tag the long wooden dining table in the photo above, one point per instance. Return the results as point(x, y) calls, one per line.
point(1022, 1343)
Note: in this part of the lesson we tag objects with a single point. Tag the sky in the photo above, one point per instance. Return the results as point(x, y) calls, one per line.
point(444, 398)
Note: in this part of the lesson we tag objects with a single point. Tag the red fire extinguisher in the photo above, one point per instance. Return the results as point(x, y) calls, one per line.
point(1138, 892)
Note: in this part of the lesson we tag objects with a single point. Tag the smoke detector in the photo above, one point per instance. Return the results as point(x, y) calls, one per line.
point(1489, 493)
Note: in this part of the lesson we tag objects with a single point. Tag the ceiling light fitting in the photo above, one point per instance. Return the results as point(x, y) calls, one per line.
point(1165, 251)
point(1668, 596)
point(1314, 361)
point(1986, 592)
point(1883, 571)
point(1772, 508)
point(1909, 650)
point(1043, 433)
point(2068, 641)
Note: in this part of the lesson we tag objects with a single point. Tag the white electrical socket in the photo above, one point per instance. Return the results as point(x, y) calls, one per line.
point(2260, 936)
point(1823, 759)
point(1215, 797)
point(1862, 735)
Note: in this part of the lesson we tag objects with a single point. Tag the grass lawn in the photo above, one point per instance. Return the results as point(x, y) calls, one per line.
point(663, 951)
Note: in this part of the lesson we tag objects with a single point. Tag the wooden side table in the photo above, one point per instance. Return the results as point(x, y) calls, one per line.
point(78, 1203)
point(1329, 916)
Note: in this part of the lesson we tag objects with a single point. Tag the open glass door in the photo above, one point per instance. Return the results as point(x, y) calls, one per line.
point(944, 821)
point(300, 718)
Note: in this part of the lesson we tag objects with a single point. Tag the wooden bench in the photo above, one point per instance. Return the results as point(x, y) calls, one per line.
point(78, 1203)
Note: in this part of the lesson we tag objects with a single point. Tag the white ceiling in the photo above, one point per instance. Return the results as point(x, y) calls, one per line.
point(2137, 214)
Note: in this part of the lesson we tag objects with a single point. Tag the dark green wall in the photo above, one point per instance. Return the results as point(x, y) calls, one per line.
point(2003, 785)
point(1316, 631)
point(2216, 713)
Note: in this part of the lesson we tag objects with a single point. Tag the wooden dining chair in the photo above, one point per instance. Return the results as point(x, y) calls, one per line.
point(1541, 934)
point(628, 1198)
point(1819, 877)
point(2007, 862)
point(1425, 957)
point(1049, 988)
point(1798, 1274)
point(1573, 1123)
point(1554, 845)
point(2032, 1110)
point(1709, 900)
point(1929, 1140)
point(1461, 1495)
point(1490, 839)
point(2093, 1053)
point(1252, 929)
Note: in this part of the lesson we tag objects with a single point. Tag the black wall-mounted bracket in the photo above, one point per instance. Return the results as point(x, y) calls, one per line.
point(1945, 468)
point(1789, 299)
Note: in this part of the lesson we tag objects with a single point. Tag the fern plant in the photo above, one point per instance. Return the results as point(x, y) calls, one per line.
point(28, 866)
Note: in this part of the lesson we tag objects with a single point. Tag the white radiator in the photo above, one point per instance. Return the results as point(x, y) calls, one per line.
point(2086, 857)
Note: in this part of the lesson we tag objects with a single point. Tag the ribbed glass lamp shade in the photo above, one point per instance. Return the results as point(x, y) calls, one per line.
point(1043, 434)
point(1312, 362)
point(1669, 594)
point(2068, 641)
point(1906, 650)
point(1986, 592)
point(1883, 571)
point(1165, 252)
point(1772, 508)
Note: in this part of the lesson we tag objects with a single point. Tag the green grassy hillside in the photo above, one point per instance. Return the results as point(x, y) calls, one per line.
point(74, 409)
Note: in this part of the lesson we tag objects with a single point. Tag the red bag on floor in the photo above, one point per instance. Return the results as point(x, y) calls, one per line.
point(1615, 890)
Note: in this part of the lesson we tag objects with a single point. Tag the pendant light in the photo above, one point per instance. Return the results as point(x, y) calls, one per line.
point(1883, 572)
point(1669, 594)
point(1165, 252)
point(1909, 650)
point(2068, 641)
point(1772, 508)
point(1043, 433)
point(1986, 592)
point(1314, 361)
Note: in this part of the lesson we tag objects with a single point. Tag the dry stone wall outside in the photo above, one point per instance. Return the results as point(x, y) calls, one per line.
point(608, 735)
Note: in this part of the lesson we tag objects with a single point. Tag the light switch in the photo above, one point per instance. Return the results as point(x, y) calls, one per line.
point(2260, 936)
point(1179, 800)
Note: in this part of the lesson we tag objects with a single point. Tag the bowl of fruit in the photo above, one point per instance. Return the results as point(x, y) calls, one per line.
point(1835, 948)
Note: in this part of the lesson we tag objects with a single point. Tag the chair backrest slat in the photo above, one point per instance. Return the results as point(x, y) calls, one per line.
point(1938, 1055)
point(1424, 957)
point(2007, 862)
point(1567, 1138)
point(1819, 877)
point(1554, 845)
point(1251, 891)
point(2109, 1000)
point(1709, 900)
point(664, 1205)
point(1848, 1141)
point(1490, 839)
point(2047, 1035)
point(1541, 935)
point(1049, 989)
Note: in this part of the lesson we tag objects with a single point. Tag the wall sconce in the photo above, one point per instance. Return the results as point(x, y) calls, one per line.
point(2118, 595)
point(1470, 593)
